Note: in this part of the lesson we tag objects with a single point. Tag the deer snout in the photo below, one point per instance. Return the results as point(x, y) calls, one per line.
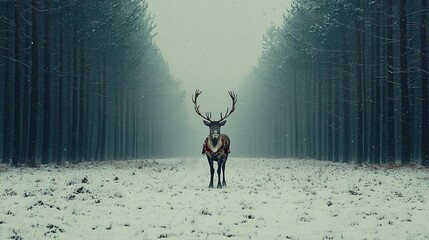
point(215, 134)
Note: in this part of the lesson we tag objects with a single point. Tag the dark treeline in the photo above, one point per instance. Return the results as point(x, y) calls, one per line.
point(83, 81)
point(342, 80)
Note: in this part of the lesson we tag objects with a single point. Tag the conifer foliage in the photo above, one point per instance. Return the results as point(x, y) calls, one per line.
point(342, 80)
point(83, 81)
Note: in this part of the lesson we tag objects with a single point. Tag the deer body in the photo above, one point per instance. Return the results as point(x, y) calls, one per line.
point(216, 146)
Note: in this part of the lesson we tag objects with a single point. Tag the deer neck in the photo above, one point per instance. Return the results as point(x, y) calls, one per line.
point(214, 144)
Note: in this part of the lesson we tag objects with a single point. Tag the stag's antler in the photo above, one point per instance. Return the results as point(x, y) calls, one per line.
point(234, 101)
point(197, 107)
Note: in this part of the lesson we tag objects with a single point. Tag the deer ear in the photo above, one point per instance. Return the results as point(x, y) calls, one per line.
point(207, 123)
point(222, 123)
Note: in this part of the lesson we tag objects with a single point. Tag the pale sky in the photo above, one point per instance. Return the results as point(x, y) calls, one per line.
point(213, 44)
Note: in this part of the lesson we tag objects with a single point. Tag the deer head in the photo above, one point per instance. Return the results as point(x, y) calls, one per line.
point(214, 125)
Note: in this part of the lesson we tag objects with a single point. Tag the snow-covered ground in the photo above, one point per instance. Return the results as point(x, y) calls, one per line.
point(169, 198)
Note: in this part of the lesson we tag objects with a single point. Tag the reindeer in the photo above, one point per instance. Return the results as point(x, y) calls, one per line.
point(216, 146)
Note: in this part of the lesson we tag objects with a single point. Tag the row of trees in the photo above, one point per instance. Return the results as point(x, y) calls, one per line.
point(83, 80)
point(342, 80)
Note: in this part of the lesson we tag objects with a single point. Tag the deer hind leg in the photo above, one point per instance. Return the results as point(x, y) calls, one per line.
point(211, 172)
point(223, 171)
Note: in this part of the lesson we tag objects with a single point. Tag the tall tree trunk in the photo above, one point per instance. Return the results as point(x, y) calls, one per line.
point(87, 134)
point(390, 102)
point(75, 96)
point(405, 129)
point(329, 127)
point(365, 123)
point(346, 104)
point(359, 81)
point(320, 126)
point(314, 120)
point(375, 103)
point(47, 86)
point(134, 126)
point(7, 124)
point(424, 86)
point(27, 92)
point(127, 127)
point(34, 85)
point(308, 152)
point(69, 103)
point(82, 106)
point(60, 93)
point(116, 131)
point(337, 118)
point(123, 123)
point(104, 111)
point(295, 107)
point(137, 130)
point(99, 115)
point(16, 156)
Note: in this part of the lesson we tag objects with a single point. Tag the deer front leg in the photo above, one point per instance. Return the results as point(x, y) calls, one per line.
point(219, 169)
point(211, 172)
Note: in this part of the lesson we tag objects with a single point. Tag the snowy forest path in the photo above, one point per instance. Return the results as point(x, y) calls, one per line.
point(169, 198)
